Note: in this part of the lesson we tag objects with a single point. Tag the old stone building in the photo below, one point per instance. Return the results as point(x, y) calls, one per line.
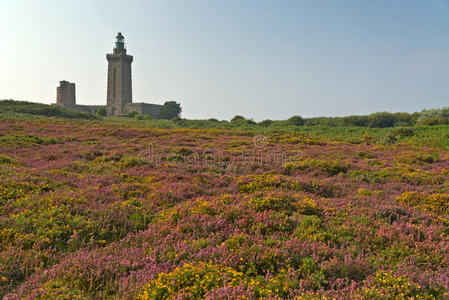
point(65, 93)
point(65, 96)
point(119, 88)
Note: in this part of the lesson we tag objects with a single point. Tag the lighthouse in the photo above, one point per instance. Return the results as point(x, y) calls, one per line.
point(119, 89)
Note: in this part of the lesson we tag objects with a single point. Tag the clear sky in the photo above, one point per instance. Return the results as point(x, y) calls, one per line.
point(218, 58)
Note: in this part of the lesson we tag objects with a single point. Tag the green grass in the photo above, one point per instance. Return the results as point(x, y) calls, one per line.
point(432, 136)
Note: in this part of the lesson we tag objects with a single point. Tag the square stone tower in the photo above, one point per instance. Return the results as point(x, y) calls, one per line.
point(119, 91)
point(65, 93)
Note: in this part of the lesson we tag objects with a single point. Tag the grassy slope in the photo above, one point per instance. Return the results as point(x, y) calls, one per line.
point(76, 186)
point(432, 136)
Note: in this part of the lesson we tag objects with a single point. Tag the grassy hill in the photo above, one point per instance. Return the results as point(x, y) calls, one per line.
point(95, 208)
point(14, 108)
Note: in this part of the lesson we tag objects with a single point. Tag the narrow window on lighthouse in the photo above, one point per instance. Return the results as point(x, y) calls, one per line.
point(113, 84)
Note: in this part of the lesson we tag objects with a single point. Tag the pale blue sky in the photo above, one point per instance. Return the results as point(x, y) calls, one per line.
point(261, 59)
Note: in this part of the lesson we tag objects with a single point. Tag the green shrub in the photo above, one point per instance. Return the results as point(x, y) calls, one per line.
point(397, 133)
point(170, 110)
point(265, 123)
point(381, 120)
point(310, 228)
point(402, 131)
point(132, 114)
point(419, 158)
point(6, 160)
point(437, 112)
point(431, 121)
point(376, 120)
point(101, 112)
point(132, 161)
point(295, 121)
point(237, 119)
point(356, 121)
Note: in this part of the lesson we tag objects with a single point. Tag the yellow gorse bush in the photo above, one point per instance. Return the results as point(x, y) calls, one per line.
point(202, 206)
point(191, 280)
point(330, 167)
point(264, 182)
point(308, 206)
point(269, 201)
point(386, 285)
point(435, 202)
point(195, 281)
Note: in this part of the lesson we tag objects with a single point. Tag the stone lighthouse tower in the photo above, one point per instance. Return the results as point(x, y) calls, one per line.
point(119, 91)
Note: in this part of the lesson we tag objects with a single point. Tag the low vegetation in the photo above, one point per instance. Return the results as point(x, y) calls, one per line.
point(22, 107)
point(116, 207)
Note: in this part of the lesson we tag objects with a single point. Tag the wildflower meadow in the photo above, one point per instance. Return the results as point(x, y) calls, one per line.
point(98, 210)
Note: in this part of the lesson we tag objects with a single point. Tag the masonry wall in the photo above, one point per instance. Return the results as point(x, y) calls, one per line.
point(148, 109)
point(92, 109)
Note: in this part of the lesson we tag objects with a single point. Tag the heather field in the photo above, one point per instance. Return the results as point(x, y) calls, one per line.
point(96, 209)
